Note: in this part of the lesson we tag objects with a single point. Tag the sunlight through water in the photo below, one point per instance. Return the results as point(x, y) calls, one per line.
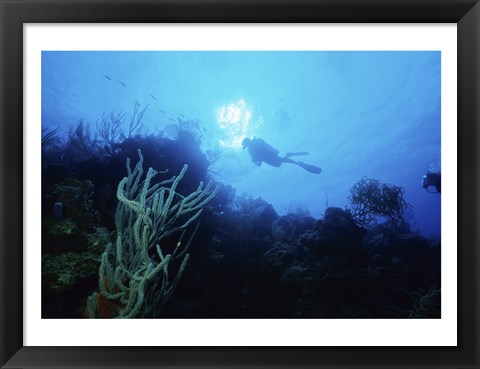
point(235, 122)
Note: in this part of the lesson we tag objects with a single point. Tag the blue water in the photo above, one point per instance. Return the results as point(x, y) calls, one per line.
point(373, 114)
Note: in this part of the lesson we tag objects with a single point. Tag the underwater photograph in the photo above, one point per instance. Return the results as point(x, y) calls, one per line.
point(241, 184)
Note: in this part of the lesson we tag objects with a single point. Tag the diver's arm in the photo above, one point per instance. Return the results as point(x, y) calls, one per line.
point(254, 156)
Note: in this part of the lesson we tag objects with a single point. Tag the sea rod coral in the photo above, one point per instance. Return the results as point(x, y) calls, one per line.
point(139, 273)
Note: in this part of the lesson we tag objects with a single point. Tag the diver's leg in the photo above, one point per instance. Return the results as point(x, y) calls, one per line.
point(287, 160)
point(307, 167)
point(301, 153)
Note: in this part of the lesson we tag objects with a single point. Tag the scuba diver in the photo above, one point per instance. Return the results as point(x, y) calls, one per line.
point(260, 151)
point(432, 179)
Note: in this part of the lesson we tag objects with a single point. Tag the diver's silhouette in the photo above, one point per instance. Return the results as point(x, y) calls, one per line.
point(432, 179)
point(260, 151)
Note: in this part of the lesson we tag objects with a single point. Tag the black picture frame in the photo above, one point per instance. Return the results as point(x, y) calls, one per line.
point(15, 13)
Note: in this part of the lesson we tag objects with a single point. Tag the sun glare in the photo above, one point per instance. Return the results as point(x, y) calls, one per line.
point(235, 122)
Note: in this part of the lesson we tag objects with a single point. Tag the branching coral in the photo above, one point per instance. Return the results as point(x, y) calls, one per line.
point(136, 120)
point(425, 304)
point(49, 136)
point(370, 199)
point(137, 272)
point(109, 127)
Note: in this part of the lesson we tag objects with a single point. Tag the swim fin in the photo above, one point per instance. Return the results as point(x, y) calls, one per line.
point(310, 168)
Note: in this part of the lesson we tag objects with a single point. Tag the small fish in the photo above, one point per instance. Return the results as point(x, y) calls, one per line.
point(107, 77)
point(173, 120)
point(153, 97)
point(161, 111)
point(123, 84)
point(183, 116)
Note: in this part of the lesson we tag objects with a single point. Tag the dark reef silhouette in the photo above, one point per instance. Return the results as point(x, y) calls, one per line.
point(246, 261)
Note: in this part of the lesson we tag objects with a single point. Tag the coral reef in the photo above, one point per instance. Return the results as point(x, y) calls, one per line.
point(369, 199)
point(70, 261)
point(100, 233)
point(148, 215)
